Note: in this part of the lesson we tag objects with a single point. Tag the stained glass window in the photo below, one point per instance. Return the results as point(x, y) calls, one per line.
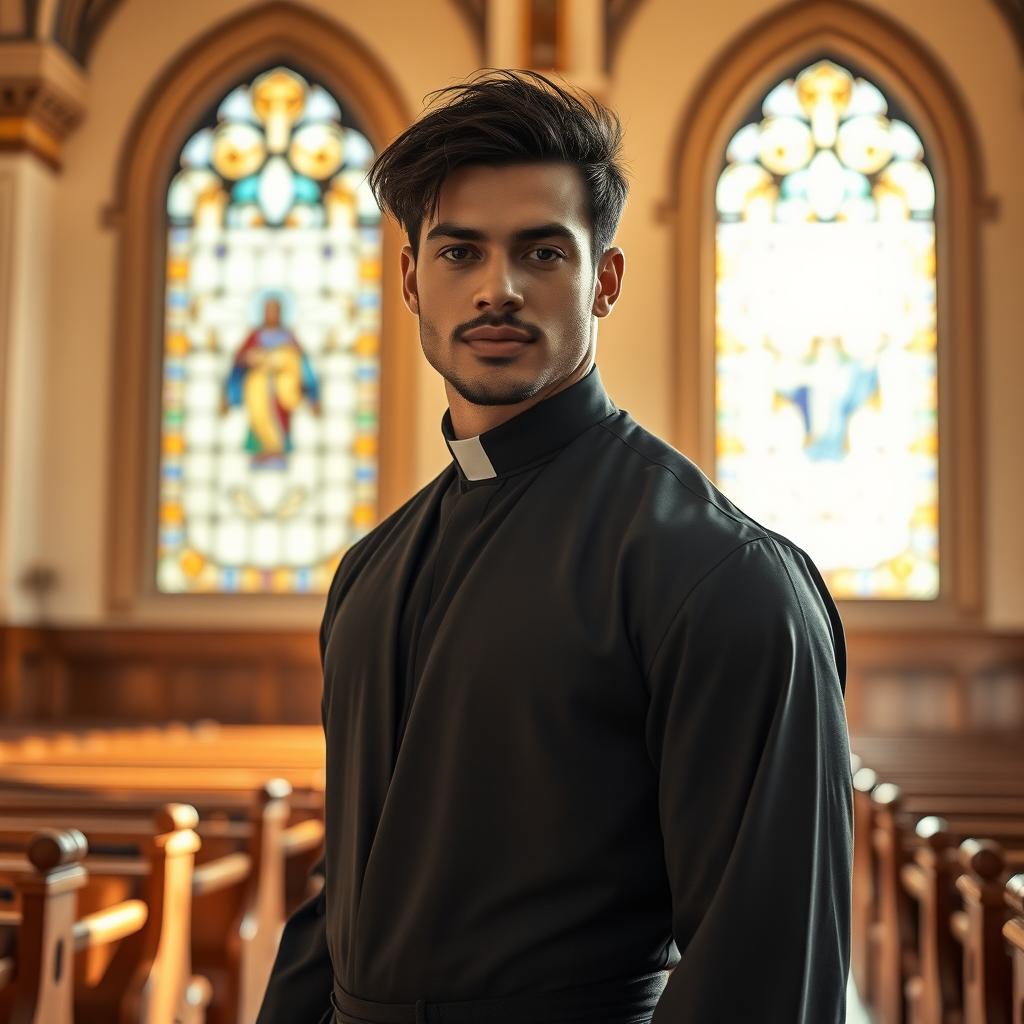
point(825, 355)
point(268, 461)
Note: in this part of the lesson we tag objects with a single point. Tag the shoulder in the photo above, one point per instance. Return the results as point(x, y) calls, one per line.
point(665, 505)
point(684, 542)
point(674, 478)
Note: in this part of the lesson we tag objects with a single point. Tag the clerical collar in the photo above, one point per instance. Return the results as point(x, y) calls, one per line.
point(539, 431)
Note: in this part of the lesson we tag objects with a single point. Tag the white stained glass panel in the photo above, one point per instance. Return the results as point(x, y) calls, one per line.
point(826, 347)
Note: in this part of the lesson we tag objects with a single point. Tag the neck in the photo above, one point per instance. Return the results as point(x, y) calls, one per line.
point(470, 419)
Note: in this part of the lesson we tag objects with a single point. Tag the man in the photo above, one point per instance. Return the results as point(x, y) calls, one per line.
point(584, 716)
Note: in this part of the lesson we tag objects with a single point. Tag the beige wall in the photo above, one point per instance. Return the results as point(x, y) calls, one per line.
point(666, 50)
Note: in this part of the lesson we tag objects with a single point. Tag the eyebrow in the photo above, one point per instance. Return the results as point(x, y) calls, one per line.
point(552, 230)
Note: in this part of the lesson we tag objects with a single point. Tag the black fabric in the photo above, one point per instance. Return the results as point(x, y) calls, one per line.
point(584, 721)
point(618, 1001)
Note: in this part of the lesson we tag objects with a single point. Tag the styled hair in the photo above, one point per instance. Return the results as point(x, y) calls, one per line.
point(498, 117)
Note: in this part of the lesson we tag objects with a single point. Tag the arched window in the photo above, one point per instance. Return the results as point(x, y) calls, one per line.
point(272, 318)
point(264, 367)
point(826, 210)
point(825, 355)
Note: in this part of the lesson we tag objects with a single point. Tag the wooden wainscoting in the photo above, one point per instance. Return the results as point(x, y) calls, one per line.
point(155, 675)
point(904, 682)
point(935, 681)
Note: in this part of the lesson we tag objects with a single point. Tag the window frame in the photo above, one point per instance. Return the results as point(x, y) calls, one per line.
point(235, 50)
point(758, 59)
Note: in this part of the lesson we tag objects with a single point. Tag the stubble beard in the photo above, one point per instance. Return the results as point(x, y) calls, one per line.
point(495, 391)
point(479, 392)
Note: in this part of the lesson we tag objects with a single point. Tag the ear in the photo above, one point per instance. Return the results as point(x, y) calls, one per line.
point(409, 290)
point(609, 281)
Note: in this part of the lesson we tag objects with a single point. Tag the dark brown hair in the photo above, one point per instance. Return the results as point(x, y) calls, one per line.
point(503, 117)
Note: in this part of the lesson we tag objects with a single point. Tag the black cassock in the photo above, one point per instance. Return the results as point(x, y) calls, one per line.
point(585, 724)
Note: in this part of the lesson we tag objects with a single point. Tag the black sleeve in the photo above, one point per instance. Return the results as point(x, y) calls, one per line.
point(302, 978)
point(748, 730)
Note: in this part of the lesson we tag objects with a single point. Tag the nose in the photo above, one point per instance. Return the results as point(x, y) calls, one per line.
point(497, 288)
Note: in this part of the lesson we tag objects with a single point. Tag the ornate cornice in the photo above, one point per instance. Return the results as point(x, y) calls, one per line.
point(41, 98)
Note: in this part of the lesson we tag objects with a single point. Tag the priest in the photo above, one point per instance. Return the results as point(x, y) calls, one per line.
point(587, 756)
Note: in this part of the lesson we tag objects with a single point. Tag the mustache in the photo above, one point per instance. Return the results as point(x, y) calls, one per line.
point(505, 321)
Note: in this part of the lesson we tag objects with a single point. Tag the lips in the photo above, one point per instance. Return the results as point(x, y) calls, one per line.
point(506, 347)
point(495, 334)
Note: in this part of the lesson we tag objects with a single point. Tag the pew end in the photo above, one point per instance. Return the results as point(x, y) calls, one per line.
point(38, 986)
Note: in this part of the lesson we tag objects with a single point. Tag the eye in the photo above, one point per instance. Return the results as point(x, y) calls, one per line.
point(455, 248)
point(553, 253)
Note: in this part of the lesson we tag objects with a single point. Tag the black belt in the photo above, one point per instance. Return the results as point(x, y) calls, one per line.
point(622, 1001)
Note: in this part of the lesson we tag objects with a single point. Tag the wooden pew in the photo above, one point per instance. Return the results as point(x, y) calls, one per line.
point(114, 771)
point(35, 986)
point(979, 929)
point(295, 746)
point(237, 946)
point(961, 915)
point(112, 778)
point(936, 993)
point(221, 813)
point(148, 979)
point(895, 945)
point(100, 762)
point(239, 886)
point(997, 798)
point(1013, 932)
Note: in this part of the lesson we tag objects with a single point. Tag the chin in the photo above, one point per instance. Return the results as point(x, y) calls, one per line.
point(495, 388)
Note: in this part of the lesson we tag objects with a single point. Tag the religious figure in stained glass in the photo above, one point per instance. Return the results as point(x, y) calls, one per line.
point(825, 356)
point(827, 386)
point(268, 466)
point(269, 376)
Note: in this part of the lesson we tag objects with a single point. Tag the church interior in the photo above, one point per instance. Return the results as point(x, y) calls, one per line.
point(211, 388)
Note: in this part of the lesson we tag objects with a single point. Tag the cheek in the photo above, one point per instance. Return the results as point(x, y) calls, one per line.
point(441, 296)
point(559, 297)
point(582, 300)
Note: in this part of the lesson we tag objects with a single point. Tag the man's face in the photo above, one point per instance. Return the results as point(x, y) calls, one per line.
point(272, 312)
point(504, 285)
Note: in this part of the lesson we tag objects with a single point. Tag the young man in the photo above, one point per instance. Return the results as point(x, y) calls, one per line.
point(587, 757)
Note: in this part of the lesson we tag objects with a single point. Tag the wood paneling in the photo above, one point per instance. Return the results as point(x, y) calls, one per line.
point(905, 682)
point(156, 675)
point(920, 681)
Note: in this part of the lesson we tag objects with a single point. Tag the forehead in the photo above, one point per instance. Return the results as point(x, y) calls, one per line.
point(500, 200)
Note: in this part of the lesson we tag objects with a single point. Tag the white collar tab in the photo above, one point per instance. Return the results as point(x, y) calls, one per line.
point(472, 458)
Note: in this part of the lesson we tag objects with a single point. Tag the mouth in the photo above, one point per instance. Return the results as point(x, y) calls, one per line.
point(497, 347)
point(496, 341)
